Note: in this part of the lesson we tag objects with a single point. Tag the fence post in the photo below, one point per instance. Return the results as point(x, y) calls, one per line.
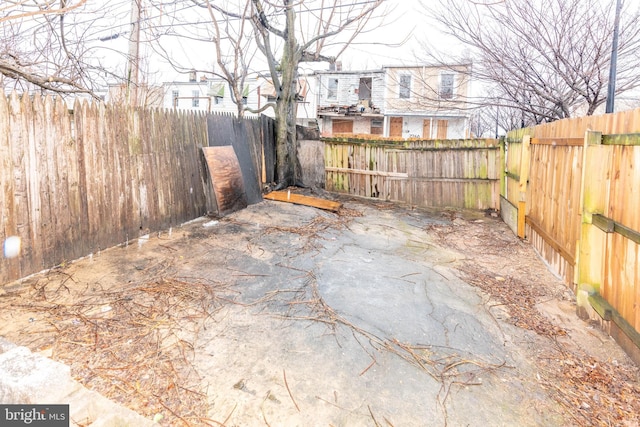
point(591, 247)
point(503, 167)
point(525, 160)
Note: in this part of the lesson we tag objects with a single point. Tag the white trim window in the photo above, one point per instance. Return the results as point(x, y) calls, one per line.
point(175, 96)
point(404, 86)
point(447, 85)
point(195, 98)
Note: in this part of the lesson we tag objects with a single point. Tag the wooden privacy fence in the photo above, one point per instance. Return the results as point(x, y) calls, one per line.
point(434, 173)
point(75, 182)
point(573, 189)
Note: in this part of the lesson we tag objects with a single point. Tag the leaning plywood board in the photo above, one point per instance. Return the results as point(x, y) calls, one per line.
point(226, 179)
point(299, 199)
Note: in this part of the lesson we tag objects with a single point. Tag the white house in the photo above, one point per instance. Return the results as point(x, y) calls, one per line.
point(209, 95)
point(214, 95)
point(307, 99)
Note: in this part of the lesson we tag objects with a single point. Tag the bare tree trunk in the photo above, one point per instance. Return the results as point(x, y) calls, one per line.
point(288, 172)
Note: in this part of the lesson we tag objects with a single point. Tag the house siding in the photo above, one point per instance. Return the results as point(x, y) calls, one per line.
point(348, 84)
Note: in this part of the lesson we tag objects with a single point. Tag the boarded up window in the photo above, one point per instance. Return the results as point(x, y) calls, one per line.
point(342, 126)
point(426, 129)
point(376, 126)
point(443, 125)
point(395, 126)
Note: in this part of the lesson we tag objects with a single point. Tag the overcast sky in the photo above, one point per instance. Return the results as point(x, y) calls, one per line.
point(406, 23)
point(396, 42)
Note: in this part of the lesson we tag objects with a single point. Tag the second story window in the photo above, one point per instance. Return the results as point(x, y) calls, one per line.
point(195, 101)
point(175, 95)
point(332, 89)
point(364, 89)
point(405, 86)
point(446, 86)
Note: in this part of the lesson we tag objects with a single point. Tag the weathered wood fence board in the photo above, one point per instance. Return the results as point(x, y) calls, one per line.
point(554, 208)
point(582, 206)
point(447, 173)
point(511, 196)
point(74, 182)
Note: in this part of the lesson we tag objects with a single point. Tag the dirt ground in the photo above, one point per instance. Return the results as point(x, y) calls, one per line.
point(284, 315)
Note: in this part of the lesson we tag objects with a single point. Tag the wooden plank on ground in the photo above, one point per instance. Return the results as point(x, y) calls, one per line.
point(299, 199)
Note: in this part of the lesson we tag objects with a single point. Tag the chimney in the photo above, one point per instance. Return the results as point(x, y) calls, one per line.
point(192, 76)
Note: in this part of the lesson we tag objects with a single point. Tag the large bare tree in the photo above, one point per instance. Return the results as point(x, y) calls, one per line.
point(547, 58)
point(286, 33)
point(290, 32)
point(46, 45)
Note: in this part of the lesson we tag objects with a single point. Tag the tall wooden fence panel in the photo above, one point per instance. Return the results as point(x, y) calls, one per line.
point(442, 173)
point(614, 211)
point(582, 210)
point(73, 183)
point(553, 216)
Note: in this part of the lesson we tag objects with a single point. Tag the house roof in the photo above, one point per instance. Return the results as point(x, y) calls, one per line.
point(360, 72)
point(267, 88)
point(448, 66)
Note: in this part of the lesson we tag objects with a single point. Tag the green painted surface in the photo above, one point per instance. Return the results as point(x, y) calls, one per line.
point(621, 139)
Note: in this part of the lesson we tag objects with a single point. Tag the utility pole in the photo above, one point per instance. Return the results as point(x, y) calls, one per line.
point(133, 69)
point(611, 90)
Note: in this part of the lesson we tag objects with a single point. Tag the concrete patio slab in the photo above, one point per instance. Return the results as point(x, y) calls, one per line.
point(312, 318)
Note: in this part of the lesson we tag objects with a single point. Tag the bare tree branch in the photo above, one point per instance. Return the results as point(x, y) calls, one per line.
point(43, 9)
point(46, 45)
point(547, 58)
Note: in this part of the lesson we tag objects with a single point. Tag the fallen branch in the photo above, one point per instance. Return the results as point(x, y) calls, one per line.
point(284, 374)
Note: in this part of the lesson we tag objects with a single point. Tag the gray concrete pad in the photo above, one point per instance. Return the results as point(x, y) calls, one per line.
point(405, 340)
point(321, 319)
